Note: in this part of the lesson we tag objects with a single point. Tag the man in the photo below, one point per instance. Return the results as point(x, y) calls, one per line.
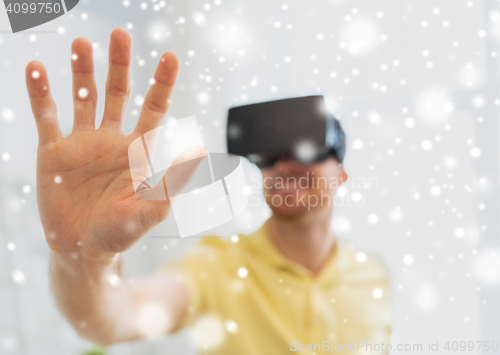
point(291, 286)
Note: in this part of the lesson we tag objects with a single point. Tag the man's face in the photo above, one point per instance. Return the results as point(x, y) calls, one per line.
point(292, 189)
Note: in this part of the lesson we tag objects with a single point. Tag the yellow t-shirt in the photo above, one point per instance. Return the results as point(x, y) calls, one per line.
point(246, 297)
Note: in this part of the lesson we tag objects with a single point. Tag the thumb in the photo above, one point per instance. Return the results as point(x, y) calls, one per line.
point(183, 168)
point(177, 175)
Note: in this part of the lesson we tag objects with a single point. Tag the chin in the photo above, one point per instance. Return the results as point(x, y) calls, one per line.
point(291, 209)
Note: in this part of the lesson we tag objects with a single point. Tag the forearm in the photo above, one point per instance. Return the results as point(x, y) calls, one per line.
point(93, 296)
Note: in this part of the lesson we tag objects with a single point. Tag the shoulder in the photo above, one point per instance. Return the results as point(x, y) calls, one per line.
point(210, 253)
point(214, 243)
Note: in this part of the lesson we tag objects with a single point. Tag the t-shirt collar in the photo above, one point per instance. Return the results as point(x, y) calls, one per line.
point(338, 260)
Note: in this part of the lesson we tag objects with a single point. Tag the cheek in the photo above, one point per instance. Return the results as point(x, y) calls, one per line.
point(321, 184)
point(267, 182)
point(319, 181)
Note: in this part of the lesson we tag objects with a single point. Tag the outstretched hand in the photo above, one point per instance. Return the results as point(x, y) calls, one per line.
point(86, 198)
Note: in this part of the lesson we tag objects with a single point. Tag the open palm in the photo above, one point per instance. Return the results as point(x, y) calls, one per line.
point(86, 198)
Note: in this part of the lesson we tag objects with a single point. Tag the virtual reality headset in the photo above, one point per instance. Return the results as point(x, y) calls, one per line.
point(297, 128)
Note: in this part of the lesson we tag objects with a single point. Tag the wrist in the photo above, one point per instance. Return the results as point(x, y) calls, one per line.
point(83, 262)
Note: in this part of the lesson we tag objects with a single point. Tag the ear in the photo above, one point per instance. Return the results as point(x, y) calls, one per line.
point(342, 174)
